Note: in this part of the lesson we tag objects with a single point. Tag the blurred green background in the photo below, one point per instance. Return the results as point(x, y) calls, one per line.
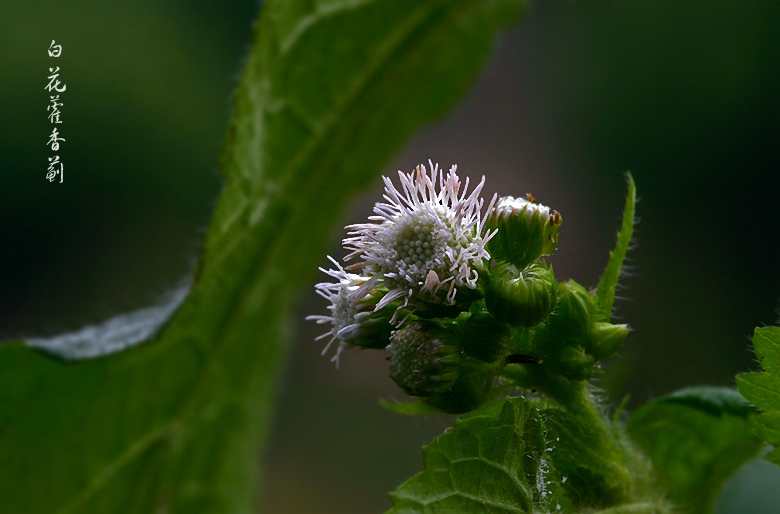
point(686, 94)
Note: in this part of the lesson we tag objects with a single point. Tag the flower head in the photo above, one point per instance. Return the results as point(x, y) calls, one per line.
point(354, 323)
point(425, 242)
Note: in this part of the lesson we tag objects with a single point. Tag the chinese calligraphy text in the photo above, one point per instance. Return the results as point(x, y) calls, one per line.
point(56, 167)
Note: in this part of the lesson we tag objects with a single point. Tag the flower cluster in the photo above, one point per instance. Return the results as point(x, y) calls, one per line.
point(425, 244)
point(455, 297)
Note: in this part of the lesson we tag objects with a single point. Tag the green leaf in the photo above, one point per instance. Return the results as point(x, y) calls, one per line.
point(329, 92)
point(766, 343)
point(605, 293)
point(485, 464)
point(763, 389)
point(696, 439)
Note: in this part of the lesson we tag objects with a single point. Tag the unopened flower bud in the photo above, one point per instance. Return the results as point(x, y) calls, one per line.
point(571, 342)
point(575, 311)
point(424, 358)
point(520, 297)
point(526, 231)
point(606, 338)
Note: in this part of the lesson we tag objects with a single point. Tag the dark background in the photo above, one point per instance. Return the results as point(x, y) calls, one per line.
point(686, 94)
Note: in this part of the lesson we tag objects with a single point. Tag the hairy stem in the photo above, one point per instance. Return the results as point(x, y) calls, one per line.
point(591, 451)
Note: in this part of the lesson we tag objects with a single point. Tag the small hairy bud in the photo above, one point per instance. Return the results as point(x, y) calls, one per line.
point(424, 358)
point(526, 231)
point(606, 338)
point(571, 341)
point(520, 297)
point(575, 310)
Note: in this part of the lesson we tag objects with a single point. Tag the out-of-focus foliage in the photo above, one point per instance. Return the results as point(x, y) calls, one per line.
point(696, 439)
point(175, 423)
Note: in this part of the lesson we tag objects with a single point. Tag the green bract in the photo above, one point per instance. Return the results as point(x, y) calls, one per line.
point(483, 336)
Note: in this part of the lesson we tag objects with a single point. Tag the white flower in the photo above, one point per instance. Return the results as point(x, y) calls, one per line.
point(423, 244)
point(349, 318)
point(508, 206)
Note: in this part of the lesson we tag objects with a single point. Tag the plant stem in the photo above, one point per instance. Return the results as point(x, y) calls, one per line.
point(590, 450)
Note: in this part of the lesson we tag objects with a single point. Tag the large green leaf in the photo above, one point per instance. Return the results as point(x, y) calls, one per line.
point(485, 464)
point(763, 389)
point(330, 91)
point(696, 439)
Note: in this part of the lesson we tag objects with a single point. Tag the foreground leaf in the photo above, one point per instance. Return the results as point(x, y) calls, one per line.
point(763, 389)
point(696, 439)
point(605, 293)
point(330, 91)
point(485, 464)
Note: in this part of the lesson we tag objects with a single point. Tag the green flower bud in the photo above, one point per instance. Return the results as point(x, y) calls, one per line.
point(520, 297)
point(526, 230)
point(606, 338)
point(484, 337)
point(575, 311)
point(424, 358)
point(571, 341)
